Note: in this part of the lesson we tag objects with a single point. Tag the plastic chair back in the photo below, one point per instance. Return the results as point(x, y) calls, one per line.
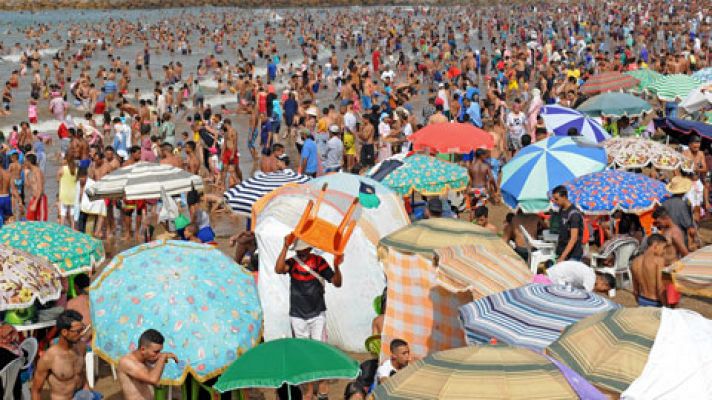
point(8, 377)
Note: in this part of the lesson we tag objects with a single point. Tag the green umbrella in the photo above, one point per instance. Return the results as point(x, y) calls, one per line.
point(614, 105)
point(70, 251)
point(427, 175)
point(291, 361)
point(674, 87)
point(646, 78)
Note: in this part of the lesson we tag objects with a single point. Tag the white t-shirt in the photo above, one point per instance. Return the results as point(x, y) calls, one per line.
point(350, 121)
point(516, 124)
point(385, 370)
point(573, 273)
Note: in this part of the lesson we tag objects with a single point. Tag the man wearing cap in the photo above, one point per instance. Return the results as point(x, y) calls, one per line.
point(308, 275)
point(334, 151)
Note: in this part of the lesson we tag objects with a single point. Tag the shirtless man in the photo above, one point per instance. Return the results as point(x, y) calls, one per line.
point(438, 117)
point(168, 158)
point(648, 287)
point(34, 185)
point(271, 163)
point(694, 154)
point(230, 155)
point(7, 191)
point(481, 179)
point(140, 371)
point(533, 223)
point(62, 365)
point(674, 235)
point(192, 162)
point(80, 302)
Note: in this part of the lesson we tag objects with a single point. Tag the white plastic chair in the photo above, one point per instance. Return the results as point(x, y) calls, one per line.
point(29, 348)
point(621, 266)
point(538, 250)
point(91, 360)
point(9, 375)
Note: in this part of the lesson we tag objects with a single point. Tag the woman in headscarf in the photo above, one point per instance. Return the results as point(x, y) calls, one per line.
point(534, 108)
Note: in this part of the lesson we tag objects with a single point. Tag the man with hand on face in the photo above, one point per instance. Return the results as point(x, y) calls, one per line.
point(140, 371)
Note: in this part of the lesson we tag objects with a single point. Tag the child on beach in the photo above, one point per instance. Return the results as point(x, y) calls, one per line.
point(32, 111)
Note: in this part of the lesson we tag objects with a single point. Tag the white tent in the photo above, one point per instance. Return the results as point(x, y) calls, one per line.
point(349, 308)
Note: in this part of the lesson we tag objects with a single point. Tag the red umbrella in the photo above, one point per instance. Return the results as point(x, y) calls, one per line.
point(608, 82)
point(451, 137)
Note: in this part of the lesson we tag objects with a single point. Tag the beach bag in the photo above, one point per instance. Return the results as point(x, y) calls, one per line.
point(169, 211)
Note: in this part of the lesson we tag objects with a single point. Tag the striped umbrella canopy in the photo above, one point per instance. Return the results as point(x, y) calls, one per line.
point(646, 77)
point(704, 75)
point(604, 192)
point(528, 178)
point(531, 316)
point(242, 196)
point(480, 271)
point(609, 349)
point(693, 273)
point(615, 105)
point(608, 82)
point(144, 180)
point(486, 372)
point(674, 87)
point(560, 119)
point(634, 153)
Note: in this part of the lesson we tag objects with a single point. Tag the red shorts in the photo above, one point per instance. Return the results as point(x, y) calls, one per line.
point(40, 211)
point(99, 108)
point(33, 120)
point(229, 157)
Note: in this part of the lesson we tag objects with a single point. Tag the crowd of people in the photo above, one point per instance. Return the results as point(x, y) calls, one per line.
point(320, 91)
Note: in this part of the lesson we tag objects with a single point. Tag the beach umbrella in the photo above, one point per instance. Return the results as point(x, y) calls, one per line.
point(698, 99)
point(369, 191)
point(693, 274)
point(530, 316)
point(204, 303)
point(607, 191)
point(615, 105)
point(528, 178)
point(70, 251)
point(25, 278)
point(645, 76)
point(635, 153)
point(609, 349)
point(486, 372)
point(704, 75)
point(451, 137)
point(427, 175)
point(290, 360)
point(475, 269)
point(560, 119)
point(608, 82)
point(677, 127)
point(144, 180)
point(674, 87)
point(242, 196)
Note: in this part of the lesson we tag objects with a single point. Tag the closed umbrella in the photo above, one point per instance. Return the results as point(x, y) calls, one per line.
point(290, 361)
point(674, 87)
point(144, 180)
point(25, 278)
point(70, 251)
point(615, 105)
point(635, 153)
point(608, 191)
point(560, 120)
point(486, 372)
point(608, 82)
point(204, 303)
point(451, 137)
point(528, 178)
point(241, 197)
point(530, 316)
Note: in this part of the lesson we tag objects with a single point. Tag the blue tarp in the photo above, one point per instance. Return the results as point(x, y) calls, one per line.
point(684, 126)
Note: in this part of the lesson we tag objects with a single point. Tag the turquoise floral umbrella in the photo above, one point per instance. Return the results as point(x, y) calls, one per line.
point(71, 252)
point(426, 175)
point(204, 304)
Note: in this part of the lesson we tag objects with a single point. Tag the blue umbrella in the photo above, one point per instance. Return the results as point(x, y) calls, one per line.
point(560, 119)
point(528, 178)
point(530, 316)
point(607, 191)
point(204, 303)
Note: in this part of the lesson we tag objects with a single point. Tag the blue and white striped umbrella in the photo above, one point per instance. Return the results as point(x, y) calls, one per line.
point(528, 178)
point(560, 119)
point(530, 316)
point(241, 197)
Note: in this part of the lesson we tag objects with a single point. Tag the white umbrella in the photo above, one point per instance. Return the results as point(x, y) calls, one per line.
point(698, 99)
point(144, 180)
